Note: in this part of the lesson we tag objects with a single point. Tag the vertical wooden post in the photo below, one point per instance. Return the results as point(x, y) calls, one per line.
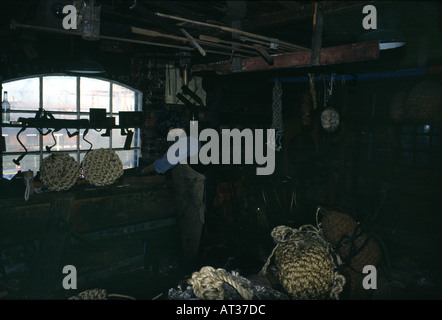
point(318, 22)
point(343, 139)
point(49, 269)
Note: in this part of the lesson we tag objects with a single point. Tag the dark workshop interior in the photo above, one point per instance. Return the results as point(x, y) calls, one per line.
point(346, 96)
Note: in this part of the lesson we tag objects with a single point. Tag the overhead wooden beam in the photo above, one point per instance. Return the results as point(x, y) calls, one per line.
point(306, 11)
point(15, 25)
point(355, 52)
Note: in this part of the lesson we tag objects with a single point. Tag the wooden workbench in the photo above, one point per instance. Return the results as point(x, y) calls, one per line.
point(85, 212)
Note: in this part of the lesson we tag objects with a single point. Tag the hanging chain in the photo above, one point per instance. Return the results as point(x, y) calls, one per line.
point(277, 121)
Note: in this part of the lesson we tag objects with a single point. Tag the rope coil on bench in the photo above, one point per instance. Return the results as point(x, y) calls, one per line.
point(306, 268)
point(208, 284)
point(59, 172)
point(102, 167)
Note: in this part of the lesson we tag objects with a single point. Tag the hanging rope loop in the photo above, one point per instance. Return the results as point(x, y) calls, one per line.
point(277, 121)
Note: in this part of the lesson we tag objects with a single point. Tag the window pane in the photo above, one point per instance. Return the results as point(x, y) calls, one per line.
point(94, 94)
point(30, 161)
point(119, 140)
point(23, 94)
point(60, 93)
point(123, 99)
point(128, 158)
point(95, 138)
point(29, 137)
point(16, 115)
point(62, 140)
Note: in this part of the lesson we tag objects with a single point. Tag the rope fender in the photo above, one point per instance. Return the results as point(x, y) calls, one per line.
point(306, 267)
point(102, 167)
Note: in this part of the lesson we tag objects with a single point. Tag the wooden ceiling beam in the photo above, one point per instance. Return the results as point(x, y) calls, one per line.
point(354, 52)
point(284, 17)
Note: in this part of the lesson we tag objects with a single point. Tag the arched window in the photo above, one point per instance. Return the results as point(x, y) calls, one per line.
point(67, 97)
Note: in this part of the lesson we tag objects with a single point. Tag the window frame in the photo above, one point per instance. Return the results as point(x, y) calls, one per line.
point(78, 151)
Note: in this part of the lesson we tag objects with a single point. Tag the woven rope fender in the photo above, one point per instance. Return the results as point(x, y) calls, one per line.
point(355, 246)
point(306, 269)
point(208, 283)
point(59, 172)
point(102, 167)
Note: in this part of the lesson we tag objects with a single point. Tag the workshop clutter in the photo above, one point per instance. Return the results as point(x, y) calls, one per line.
point(100, 167)
point(322, 262)
point(218, 284)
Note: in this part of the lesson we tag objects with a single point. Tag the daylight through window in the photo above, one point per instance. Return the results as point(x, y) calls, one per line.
point(67, 97)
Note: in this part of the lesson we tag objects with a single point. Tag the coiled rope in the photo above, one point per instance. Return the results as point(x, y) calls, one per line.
point(208, 284)
point(306, 267)
point(98, 294)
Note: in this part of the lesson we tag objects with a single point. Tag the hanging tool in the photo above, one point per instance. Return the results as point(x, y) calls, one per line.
point(186, 90)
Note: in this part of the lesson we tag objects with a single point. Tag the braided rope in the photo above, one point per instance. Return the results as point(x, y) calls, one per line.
point(98, 294)
point(59, 172)
point(313, 90)
point(102, 167)
point(306, 268)
point(208, 284)
point(277, 122)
